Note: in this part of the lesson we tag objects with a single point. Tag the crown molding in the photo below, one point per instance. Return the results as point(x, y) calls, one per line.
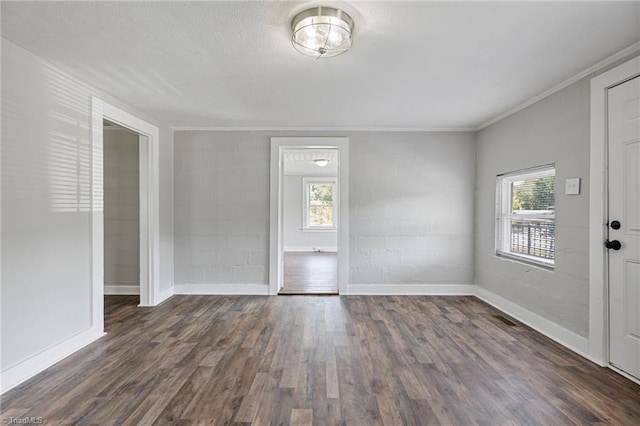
point(321, 129)
point(634, 48)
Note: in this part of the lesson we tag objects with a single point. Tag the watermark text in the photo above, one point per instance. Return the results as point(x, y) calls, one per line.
point(25, 420)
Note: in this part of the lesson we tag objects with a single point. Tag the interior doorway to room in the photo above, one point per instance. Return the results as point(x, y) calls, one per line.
point(149, 208)
point(121, 218)
point(340, 199)
point(623, 242)
point(310, 221)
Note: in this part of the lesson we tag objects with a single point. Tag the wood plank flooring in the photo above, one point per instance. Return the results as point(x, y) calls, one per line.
point(353, 360)
point(310, 273)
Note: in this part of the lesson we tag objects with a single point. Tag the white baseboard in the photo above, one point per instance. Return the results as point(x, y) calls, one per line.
point(114, 290)
point(310, 249)
point(567, 338)
point(14, 375)
point(222, 289)
point(412, 289)
point(624, 373)
point(164, 295)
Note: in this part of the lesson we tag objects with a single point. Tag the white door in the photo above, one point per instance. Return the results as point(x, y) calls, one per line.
point(624, 226)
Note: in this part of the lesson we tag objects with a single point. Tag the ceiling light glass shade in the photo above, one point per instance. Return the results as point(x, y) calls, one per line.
point(321, 162)
point(322, 32)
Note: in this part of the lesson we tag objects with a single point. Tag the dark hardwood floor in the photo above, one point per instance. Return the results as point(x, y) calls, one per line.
point(310, 273)
point(353, 360)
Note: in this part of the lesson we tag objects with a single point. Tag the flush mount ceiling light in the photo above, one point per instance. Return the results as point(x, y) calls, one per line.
point(321, 162)
point(322, 32)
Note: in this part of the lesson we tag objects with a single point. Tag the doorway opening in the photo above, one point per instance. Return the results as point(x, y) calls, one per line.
point(310, 204)
point(614, 238)
point(149, 190)
point(623, 233)
point(309, 223)
point(121, 186)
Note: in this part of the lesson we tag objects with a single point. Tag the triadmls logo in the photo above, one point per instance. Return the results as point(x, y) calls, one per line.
point(29, 420)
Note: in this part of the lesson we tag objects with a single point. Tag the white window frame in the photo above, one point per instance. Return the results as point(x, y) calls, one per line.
point(306, 183)
point(504, 214)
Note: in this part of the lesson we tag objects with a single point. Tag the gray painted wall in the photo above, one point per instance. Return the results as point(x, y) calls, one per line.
point(46, 274)
point(221, 208)
point(292, 202)
point(553, 130)
point(556, 130)
point(411, 206)
point(121, 211)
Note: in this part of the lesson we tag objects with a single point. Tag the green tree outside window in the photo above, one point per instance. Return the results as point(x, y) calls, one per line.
point(321, 205)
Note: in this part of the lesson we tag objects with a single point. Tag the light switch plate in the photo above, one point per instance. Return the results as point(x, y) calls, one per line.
point(572, 186)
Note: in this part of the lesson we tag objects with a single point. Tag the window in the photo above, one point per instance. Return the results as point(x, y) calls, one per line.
point(319, 203)
point(525, 215)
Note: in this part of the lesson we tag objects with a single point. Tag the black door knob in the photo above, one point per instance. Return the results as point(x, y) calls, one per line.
point(615, 224)
point(615, 244)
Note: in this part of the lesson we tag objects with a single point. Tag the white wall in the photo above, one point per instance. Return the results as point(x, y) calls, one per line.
point(46, 242)
point(410, 220)
point(121, 212)
point(45, 206)
point(294, 238)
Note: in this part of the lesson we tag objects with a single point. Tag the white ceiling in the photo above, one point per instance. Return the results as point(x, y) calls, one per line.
point(301, 162)
point(412, 65)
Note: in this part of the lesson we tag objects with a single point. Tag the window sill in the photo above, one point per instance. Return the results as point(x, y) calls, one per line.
point(527, 260)
point(319, 229)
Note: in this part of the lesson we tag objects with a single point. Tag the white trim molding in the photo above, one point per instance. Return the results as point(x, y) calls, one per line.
point(276, 240)
point(625, 374)
point(222, 289)
point(149, 201)
point(567, 338)
point(412, 289)
point(121, 290)
point(96, 217)
point(598, 209)
point(16, 374)
point(318, 129)
point(164, 295)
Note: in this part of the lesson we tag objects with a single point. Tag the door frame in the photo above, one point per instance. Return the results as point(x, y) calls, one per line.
point(598, 209)
point(149, 168)
point(278, 145)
